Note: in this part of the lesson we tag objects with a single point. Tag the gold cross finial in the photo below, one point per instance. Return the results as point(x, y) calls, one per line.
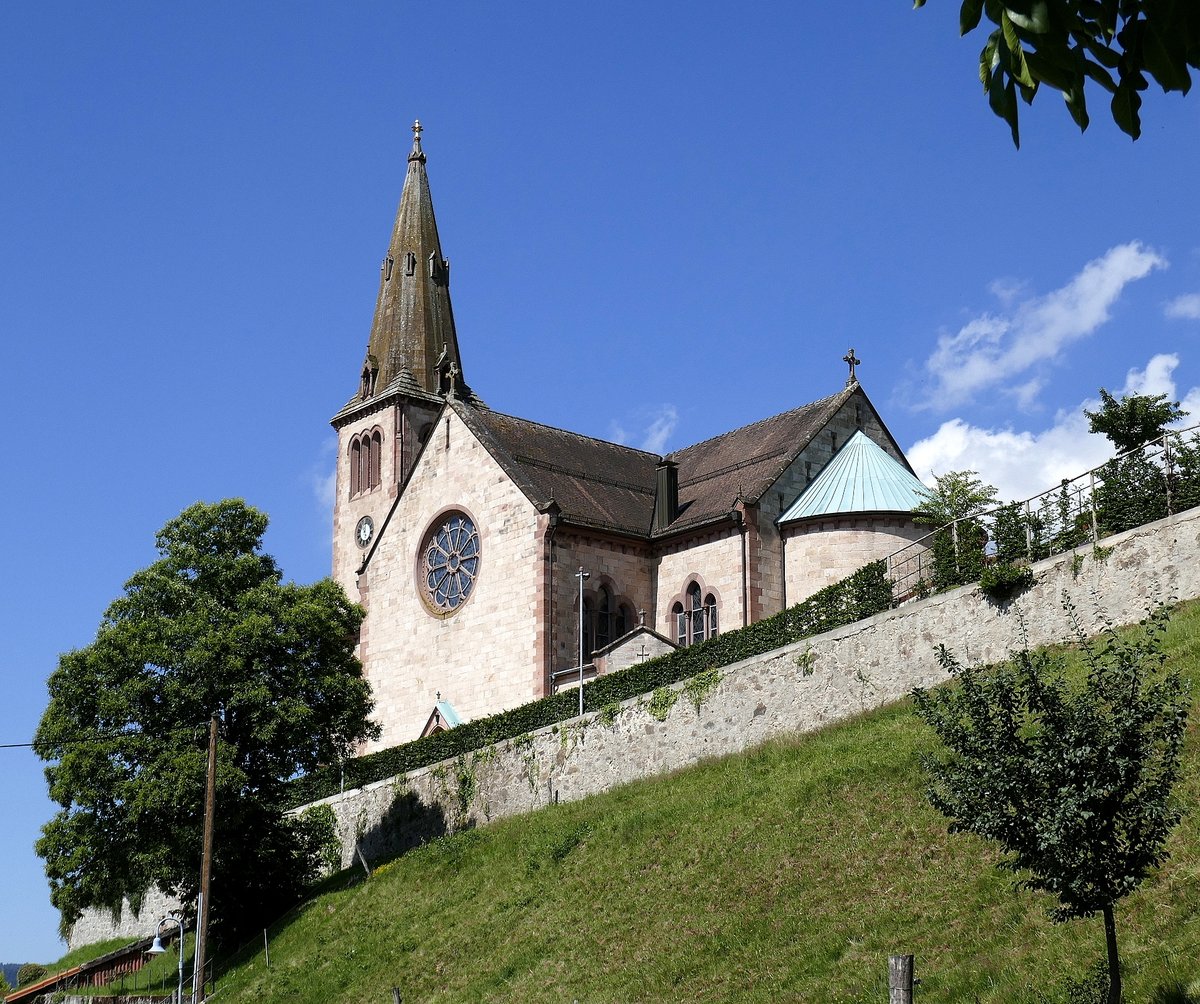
point(418, 129)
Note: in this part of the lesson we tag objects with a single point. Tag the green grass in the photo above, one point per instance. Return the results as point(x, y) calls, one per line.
point(787, 873)
point(85, 953)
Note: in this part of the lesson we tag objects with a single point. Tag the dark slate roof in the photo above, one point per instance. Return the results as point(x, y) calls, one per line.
point(593, 482)
point(746, 461)
point(608, 486)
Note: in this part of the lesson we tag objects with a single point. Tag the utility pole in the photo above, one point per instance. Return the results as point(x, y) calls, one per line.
point(210, 797)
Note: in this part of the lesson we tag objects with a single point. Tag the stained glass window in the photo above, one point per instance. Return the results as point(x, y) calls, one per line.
point(451, 562)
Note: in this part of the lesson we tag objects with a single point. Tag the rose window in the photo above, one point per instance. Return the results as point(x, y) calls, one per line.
point(451, 562)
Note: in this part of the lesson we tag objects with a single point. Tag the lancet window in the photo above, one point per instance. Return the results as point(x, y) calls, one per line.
point(695, 616)
point(366, 456)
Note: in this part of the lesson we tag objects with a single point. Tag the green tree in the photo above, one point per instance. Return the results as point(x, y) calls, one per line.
point(957, 497)
point(1134, 420)
point(1072, 777)
point(207, 629)
point(1117, 44)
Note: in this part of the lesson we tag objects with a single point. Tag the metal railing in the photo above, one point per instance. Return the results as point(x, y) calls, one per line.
point(1156, 480)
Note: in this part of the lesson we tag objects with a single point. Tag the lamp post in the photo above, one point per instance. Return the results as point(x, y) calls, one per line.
point(582, 576)
point(157, 947)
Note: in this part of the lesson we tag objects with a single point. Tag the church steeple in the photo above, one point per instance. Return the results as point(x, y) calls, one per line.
point(413, 329)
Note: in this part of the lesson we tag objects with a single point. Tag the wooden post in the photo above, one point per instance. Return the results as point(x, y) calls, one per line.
point(210, 797)
point(900, 979)
point(396, 995)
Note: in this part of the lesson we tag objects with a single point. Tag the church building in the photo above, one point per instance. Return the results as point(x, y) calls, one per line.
point(469, 536)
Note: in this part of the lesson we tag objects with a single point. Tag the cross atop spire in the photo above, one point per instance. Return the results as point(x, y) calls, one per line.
point(417, 152)
point(851, 360)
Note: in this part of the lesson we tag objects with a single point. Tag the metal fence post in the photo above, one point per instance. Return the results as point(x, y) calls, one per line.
point(1092, 506)
point(900, 979)
point(1167, 470)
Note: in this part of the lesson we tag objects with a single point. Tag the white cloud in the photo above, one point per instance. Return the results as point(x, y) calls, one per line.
point(996, 348)
point(662, 424)
point(1186, 307)
point(1023, 463)
point(323, 476)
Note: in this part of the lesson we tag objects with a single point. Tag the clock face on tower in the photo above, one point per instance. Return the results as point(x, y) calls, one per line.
point(364, 531)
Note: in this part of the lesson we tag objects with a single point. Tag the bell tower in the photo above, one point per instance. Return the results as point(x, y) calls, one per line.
point(411, 365)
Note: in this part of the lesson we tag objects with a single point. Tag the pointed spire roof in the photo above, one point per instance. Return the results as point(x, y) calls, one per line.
point(413, 329)
point(861, 477)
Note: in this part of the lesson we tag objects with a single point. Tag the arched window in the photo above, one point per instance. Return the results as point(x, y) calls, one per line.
point(373, 477)
point(695, 607)
point(366, 452)
point(604, 617)
point(589, 632)
point(624, 621)
point(695, 618)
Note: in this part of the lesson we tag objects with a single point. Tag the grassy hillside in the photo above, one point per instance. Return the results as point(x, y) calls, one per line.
point(789, 873)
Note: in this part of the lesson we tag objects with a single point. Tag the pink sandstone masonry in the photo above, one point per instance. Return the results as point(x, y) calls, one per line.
point(799, 688)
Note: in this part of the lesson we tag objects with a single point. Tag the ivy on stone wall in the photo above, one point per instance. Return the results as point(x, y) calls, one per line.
point(868, 591)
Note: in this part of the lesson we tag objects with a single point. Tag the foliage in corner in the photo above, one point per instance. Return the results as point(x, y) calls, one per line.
point(1071, 777)
point(1064, 44)
point(868, 591)
point(210, 629)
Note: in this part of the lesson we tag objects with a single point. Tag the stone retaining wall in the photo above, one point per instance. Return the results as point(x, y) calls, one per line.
point(799, 688)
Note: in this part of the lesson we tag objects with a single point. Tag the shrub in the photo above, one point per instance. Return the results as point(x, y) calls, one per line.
point(1001, 582)
point(31, 972)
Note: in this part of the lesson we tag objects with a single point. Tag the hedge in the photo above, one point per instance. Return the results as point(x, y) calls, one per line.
point(868, 591)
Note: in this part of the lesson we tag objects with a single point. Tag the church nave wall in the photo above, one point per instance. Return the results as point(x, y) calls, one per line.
point(716, 563)
point(482, 657)
point(623, 566)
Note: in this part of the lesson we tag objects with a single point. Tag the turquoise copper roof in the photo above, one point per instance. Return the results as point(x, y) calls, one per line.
point(449, 715)
point(861, 477)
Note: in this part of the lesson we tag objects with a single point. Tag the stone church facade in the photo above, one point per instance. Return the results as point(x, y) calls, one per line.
point(463, 531)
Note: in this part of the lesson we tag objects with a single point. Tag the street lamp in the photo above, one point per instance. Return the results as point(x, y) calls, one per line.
point(582, 576)
point(157, 947)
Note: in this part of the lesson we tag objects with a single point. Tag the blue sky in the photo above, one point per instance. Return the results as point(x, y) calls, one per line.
point(664, 220)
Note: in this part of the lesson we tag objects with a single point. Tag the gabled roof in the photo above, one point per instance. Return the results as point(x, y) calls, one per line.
point(612, 487)
point(861, 477)
point(638, 632)
point(441, 718)
point(593, 482)
point(746, 461)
